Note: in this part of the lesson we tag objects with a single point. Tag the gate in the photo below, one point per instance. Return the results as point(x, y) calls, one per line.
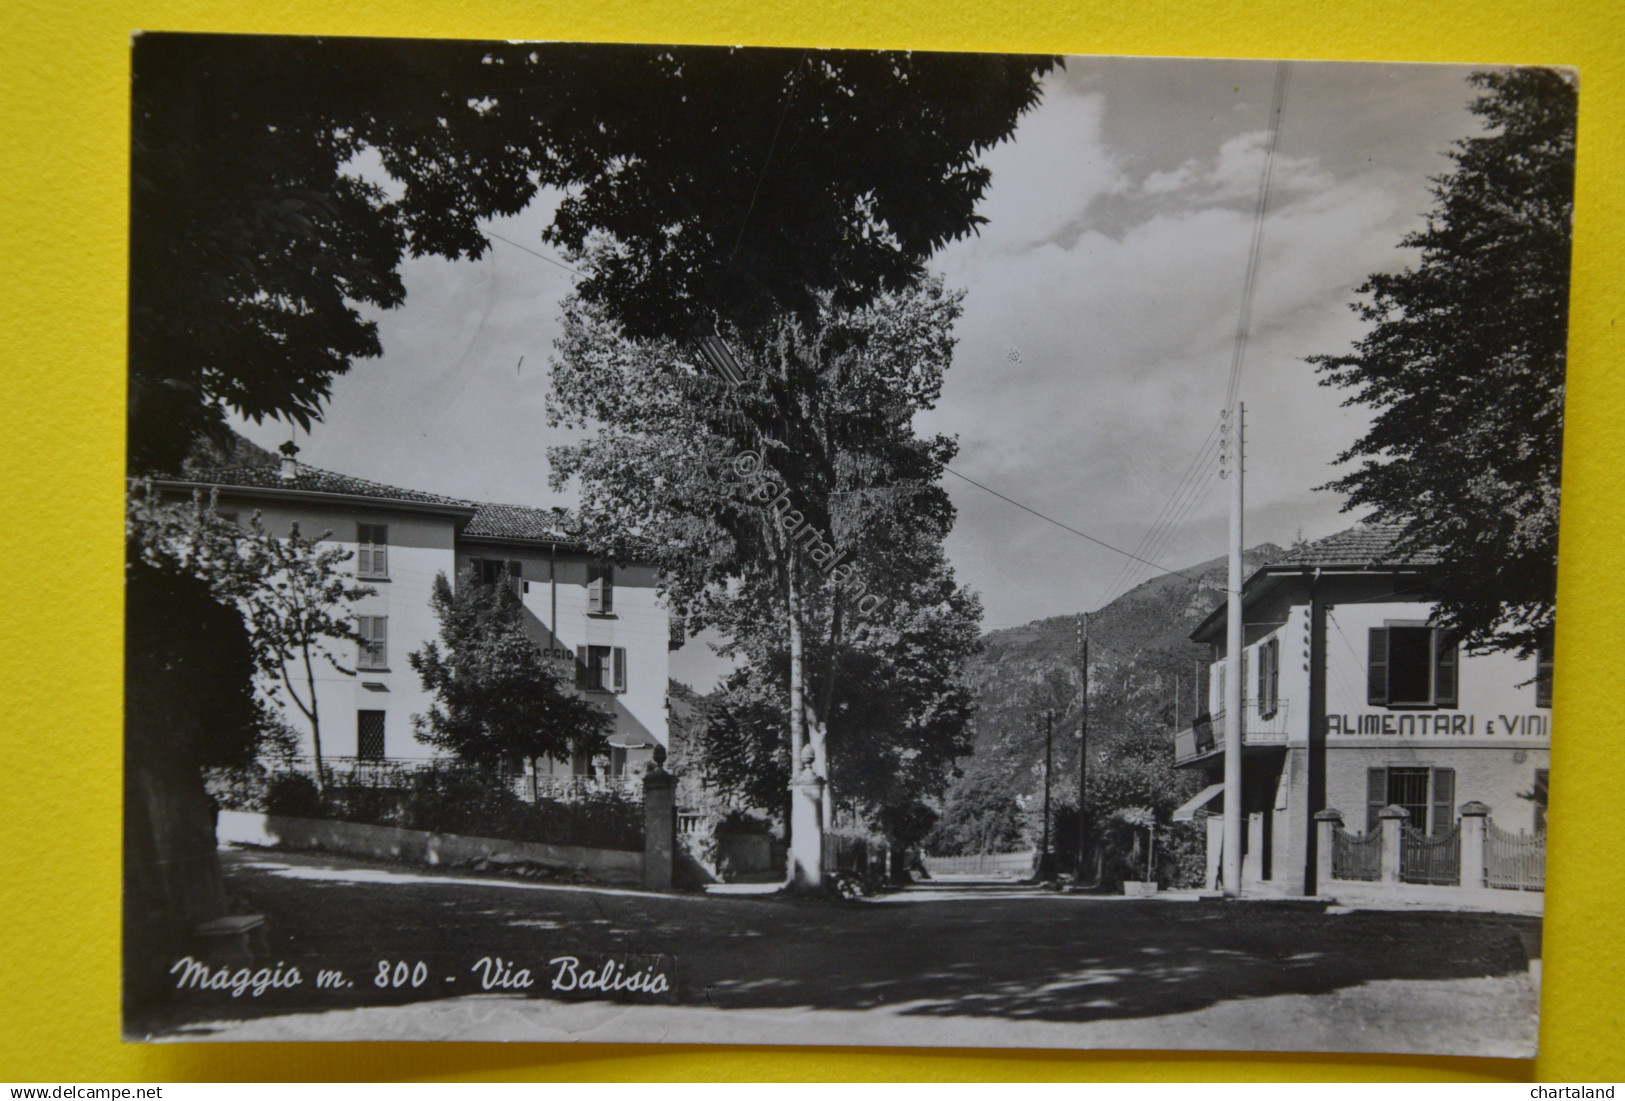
point(1356, 856)
point(1003, 865)
point(1514, 861)
point(1435, 860)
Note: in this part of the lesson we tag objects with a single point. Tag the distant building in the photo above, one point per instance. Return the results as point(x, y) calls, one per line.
point(1352, 700)
point(600, 621)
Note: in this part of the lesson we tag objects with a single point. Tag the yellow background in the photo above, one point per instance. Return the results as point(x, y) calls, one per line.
point(63, 155)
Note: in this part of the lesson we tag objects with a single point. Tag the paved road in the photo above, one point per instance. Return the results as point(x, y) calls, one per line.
point(933, 966)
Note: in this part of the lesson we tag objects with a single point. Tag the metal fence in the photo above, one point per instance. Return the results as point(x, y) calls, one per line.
point(994, 865)
point(1435, 860)
point(1514, 861)
point(1356, 856)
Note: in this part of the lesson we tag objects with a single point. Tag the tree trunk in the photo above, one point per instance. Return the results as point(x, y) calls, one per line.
point(315, 725)
point(798, 718)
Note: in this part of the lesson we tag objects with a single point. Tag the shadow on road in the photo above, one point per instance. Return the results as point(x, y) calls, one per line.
point(961, 949)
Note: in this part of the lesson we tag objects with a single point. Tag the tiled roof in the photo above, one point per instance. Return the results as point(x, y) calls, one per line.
point(1361, 545)
point(517, 522)
point(312, 480)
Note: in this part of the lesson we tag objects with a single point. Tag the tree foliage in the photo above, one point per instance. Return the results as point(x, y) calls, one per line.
point(291, 591)
point(826, 413)
point(983, 813)
point(497, 698)
point(1464, 367)
point(277, 183)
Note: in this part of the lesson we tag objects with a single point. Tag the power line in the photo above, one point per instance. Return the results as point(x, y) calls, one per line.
point(533, 252)
point(1250, 281)
point(1067, 527)
point(1144, 545)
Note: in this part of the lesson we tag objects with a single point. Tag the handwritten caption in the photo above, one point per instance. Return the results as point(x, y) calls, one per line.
point(639, 978)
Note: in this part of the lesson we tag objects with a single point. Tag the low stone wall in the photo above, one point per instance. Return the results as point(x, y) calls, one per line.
point(422, 847)
point(1423, 896)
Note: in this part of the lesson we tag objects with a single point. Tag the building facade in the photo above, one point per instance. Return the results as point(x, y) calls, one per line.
point(600, 621)
point(1352, 700)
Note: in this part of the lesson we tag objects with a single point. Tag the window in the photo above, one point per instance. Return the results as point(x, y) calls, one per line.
point(369, 735)
point(372, 550)
point(373, 652)
point(1428, 794)
point(600, 590)
point(1542, 782)
point(601, 668)
point(1543, 678)
point(1410, 667)
point(494, 571)
point(1269, 678)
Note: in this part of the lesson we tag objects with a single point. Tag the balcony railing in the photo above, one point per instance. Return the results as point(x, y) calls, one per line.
point(1205, 735)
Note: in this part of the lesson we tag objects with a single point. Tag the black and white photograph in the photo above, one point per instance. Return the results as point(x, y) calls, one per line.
point(694, 544)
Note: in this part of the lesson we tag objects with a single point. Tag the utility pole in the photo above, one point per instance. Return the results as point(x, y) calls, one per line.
point(1083, 749)
point(1232, 467)
point(1046, 866)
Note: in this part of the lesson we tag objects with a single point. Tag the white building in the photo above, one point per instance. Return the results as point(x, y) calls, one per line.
point(601, 621)
point(1353, 701)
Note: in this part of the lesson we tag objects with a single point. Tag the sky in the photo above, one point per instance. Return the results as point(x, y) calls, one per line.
point(1101, 307)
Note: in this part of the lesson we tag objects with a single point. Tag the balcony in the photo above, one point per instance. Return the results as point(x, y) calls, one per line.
point(1203, 740)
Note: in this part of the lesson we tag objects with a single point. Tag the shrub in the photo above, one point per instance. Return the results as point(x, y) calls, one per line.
point(451, 799)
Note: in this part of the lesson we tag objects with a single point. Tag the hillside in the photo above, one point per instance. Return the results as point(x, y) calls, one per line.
point(1139, 641)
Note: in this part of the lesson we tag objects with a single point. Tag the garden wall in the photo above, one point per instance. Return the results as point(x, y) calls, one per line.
point(613, 866)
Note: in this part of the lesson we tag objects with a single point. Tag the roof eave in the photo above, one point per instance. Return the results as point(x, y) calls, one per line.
point(1208, 626)
point(464, 512)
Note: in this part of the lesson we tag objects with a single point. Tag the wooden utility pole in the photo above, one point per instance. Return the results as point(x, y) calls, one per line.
point(1083, 749)
point(1046, 865)
point(1233, 465)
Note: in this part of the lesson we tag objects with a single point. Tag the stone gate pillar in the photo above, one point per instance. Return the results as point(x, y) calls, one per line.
point(1392, 819)
point(806, 826)
point(659, 823)
point(1474, 816)
point(1327, 823)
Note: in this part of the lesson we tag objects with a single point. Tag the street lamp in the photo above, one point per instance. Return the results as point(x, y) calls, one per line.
point(717, 355)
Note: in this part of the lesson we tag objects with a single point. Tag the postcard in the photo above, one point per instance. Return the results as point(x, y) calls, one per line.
point(799, 546)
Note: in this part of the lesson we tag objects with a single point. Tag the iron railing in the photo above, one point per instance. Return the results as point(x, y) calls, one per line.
point(1432, 859)
point(994, 865)
point(1259, 727)
point(1514, 861)
point(1356, 856)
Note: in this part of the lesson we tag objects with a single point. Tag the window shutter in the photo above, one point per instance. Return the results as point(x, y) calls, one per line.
point(380, 640)
point(1376, 692)
point(380, 555)
point(1444, 671)
point(595, 595)
point(620, 668)
point(1263, 678)
point(516, 576)
point(1444, 800)
point(1275, 675)
point(608, 590)
point(1542, 787)
point(1376, 797)
point(581, 667)
point(1543, 678)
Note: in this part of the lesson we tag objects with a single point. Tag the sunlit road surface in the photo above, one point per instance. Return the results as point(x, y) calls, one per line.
point(958, 964)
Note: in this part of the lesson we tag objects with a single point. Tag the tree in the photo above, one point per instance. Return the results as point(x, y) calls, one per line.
point(296, 609)
point(748, 500)
point(497, 698)
point(983, 813)
point(1464, 367)
point(277, 183)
